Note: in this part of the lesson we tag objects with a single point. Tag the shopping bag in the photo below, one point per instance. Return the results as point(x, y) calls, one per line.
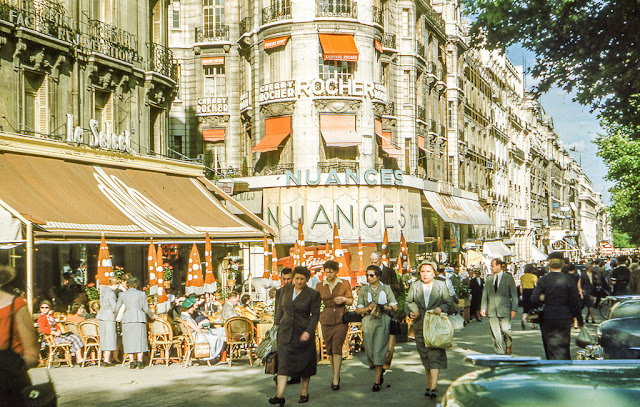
point(437, 331)
point(585, 338)
point(457, 322)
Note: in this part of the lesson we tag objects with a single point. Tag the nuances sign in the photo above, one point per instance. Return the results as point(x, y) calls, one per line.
point(104, 139)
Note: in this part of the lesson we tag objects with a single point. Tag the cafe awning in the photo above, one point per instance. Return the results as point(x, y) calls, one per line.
point(496, 249)
point(457, 210)
point(275, 131)
point(536, 254)
point(338, 47)
point(339, 130)
point(78, 200)
point(213, 135)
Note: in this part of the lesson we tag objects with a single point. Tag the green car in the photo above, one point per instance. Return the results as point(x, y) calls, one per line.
point(525, 381)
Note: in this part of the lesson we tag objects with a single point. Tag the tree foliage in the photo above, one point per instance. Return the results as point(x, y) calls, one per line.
point(591, 47)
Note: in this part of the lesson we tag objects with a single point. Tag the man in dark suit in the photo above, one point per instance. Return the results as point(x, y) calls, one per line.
point(500, 304)
point(620, 277)
point(559, 294)
point(475, 286)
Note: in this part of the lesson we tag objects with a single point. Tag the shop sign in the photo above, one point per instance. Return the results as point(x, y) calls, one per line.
point(104, 139)
point(244, 101)
point(212, 106)
point(358, 212)
point(385, 176)
point(331, 87)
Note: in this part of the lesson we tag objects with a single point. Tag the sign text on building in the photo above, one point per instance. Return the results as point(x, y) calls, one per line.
point(350, 177)
point(99, 138)
point(209, 106)
point(331, 87)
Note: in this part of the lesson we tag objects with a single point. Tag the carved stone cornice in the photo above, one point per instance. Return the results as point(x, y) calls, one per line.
point(213, 121)
point(278, 108)
point(378, 109)
point(388, 122)
point(337, 105)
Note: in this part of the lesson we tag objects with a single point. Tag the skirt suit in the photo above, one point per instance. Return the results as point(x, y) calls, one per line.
point(134, 320)
point(375, 329)
point(107, 319)
point(293, 317)
point(334, 331)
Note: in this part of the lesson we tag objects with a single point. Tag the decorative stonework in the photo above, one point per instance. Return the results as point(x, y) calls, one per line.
point(213, 121)
point(337, 105)
point(278, 108)
point(378, 108)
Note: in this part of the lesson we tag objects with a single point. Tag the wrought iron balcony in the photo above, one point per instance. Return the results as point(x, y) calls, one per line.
point(339, 166)
point(277, 13)
point(389, 40)
point(420, 50)
point(421, 113)
point(245, 25)
point(45, 16)
point(434, 126)
point(378, 16)
point(277, 169)
point(212, 33)
point(161, 61)
point(337, 8)
point(112, 41)
point(390, 108)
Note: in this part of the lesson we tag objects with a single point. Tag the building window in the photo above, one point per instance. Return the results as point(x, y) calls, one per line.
point(176, 14)
point(103, 110)
point(214, 81)
point(213, 12)
point(407, 87)
point(341, 70)
point(36, 104)
point(278, 63)
point(405, 22)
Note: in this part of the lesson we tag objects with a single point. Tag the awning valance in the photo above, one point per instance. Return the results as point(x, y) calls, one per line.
point(275, 42)
point(388, 146)
point(496, 249)
point(338, 47)
point(275, 131)
point(339, 130)
point(422, 143)
point(81, 200)
point(457, 210)
point(213, 61)
point(213, 135)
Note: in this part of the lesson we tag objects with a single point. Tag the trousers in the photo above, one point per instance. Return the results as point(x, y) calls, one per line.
point(500, 333)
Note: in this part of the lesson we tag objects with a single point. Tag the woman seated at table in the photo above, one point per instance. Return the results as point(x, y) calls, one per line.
point(245, 309)
point(214, 337)
point(47, 325)
point(76, 314)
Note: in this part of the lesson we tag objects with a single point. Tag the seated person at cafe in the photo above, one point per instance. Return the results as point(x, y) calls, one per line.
point(77, 310)
point(245, 309)
point(214, 337)
point(228, 308)
point(47, 325)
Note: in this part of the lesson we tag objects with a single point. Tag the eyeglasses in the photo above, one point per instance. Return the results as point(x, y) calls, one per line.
point(44, 307)
point(371, 275)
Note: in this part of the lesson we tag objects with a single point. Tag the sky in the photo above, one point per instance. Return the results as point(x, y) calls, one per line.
point(574, 123)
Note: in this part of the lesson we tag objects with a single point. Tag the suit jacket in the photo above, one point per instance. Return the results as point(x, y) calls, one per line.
point(294, 317)
point(107, 305)
point(439, 297)
point(332, 313)
point(390, 278)
point(501, 303)
point(136, 307)
point(476, 287)
point(228, 311)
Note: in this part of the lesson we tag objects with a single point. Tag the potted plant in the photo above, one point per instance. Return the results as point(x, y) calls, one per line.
point(167, 275)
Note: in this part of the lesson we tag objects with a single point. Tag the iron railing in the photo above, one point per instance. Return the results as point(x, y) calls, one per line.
point(46, 17)
point(421, 113)
point(389, 41)
point(272, 14)
point(378, 16)
point(161, 61)
point(389, 108)
point(112, 41)
point(212, 33)
point(277, 169)
point(245, 25)
point(420, 50)
point(339, 166)
point(337, 8)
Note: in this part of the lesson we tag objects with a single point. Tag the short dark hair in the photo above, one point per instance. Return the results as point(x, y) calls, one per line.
point(302, 271)
point(233, 294)
point(498, 261)
point(286, 270)
point(571, 267)
point(529, 268)
point(331, 265)
point(75, 307)
point(377, 270)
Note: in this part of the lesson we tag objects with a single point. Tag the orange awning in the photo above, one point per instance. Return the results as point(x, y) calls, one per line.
point(213, 135)
point(388, 147)
point(338, 47)
point(378, 127)
point(275, 42)
point(339, 130)
point(276, 130)
point(421, 143)
point(213, 61)
point(377, 45)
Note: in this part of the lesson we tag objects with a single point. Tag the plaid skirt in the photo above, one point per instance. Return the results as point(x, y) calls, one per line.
point(73, 339)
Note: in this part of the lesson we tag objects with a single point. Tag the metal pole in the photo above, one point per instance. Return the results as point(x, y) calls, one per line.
point(29, 266)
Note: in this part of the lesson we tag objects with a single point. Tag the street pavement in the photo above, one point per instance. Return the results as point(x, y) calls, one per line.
point(243, 385)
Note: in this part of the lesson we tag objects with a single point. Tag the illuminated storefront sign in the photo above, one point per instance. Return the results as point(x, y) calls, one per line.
point(212, 106)
point(104, 139)
point(331, 87)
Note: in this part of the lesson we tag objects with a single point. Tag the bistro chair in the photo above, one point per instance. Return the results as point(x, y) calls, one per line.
point(68, 326)
point(192, 350)
point(161, 340)
point(88, 331)
point(240, 338)
point(58, 353)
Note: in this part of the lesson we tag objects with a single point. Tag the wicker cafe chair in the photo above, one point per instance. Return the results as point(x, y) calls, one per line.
point(88, 331)
point(189, 341)
point(68, 326)
point(161, 340)
point(240, 338)
point(54, 349)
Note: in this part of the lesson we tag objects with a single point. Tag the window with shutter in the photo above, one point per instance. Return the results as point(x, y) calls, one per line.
point(42, 107)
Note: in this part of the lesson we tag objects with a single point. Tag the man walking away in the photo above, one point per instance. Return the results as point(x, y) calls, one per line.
point(500, 304)
point(620, 277)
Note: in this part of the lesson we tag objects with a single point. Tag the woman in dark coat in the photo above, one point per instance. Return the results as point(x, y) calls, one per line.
point(476, 285)
point(297, 318)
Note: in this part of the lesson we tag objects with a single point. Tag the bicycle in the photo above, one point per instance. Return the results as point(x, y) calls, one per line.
point(605, 306)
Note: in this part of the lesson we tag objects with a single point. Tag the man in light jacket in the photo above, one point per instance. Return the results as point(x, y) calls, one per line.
point(500, 304)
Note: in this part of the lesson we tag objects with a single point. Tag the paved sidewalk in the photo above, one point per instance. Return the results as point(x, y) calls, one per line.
point(243, 385)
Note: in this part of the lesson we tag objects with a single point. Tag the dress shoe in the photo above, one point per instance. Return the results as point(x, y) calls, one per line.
point(431, 393)
point(133, 365)
point(509, 350)
point(107, 364)
point(141, 365)
point(293, 380)
point(376, 387)
point(277, 400)
point(335, 387)
point(524, 327)
point(304, 399)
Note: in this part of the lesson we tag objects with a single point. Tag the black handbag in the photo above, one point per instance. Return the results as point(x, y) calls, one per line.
point(536, 315)
point(15, 383)
point(351, 316)
point(271, 363)
point(394, 326)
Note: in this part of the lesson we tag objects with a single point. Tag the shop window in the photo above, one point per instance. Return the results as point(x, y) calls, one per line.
point(36, 104)
point(214, 81)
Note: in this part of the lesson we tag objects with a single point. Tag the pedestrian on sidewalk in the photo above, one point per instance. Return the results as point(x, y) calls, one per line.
point(476, 286)
point(527, 282)
point(428, 294)
point(500, 304)
point(559, 295)
point(134, 322)
point(107, 320)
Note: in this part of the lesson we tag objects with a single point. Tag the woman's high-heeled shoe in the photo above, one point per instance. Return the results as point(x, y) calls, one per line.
point(133, 365)
point(304, 399)
point(277, 400)
point(335, 387)
point(376, 387)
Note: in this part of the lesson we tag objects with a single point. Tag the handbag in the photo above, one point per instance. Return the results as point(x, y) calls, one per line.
point(394, 326)
point(120, 314)
point(271, 363)
point(536, 315)
point(585, 338)
point(351, 316)
point(437, 331)
point(15, 383)
point(457, 322)
point(201, 350)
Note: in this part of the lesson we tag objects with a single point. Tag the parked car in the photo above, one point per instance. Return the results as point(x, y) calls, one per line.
point(523, 382)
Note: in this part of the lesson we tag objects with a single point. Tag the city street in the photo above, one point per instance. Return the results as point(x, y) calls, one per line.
point(243, 385)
